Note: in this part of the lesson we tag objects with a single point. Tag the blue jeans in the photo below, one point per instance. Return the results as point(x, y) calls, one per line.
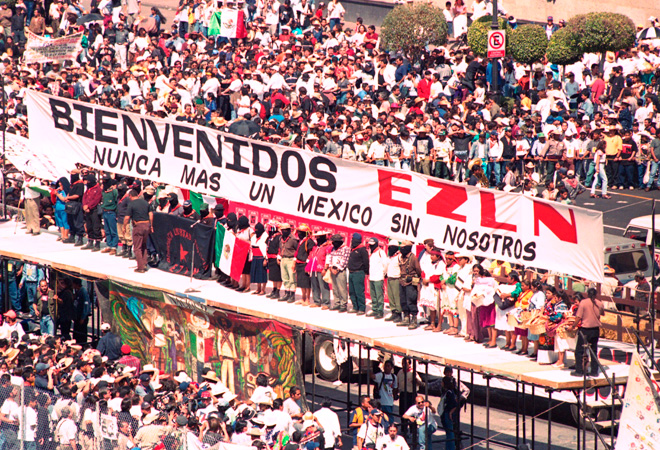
point(641, 171)
point(29, 5)
point(626, 175)
point(653, 174)
point(448, 425)
point(110, 227)
point(30, 293)
point(424, 432)
point(47, 326)
point(388, 410)
point(496, 169)
point(12, 289)
point(600, 174)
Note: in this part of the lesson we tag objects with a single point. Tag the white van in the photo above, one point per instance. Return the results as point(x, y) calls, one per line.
point(640, 228)
point(627, 256)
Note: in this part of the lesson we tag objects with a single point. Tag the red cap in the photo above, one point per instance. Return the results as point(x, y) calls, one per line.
point(125, 350)
point(11, 314)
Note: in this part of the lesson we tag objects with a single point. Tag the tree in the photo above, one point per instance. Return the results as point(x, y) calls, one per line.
point(527, 43)
point(411, 27)
point(563, 48)
point(601, 32)
point(478, 34)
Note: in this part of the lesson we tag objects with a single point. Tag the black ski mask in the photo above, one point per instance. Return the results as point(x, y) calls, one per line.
point(391, 250)
point(286, 233)
point(406, 249)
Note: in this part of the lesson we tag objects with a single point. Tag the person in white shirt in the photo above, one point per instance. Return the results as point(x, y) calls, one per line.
point(421, 413)
point(329, 420)
point(66, 430)
point(371, 430)
point(377, 267)
point(283, 421)
point(387, 387)
point(31, 203)
point(28, 422)
point(392, 440)
point(262, 391)
point(291, 406)
point(11, 324)
point(393, 274)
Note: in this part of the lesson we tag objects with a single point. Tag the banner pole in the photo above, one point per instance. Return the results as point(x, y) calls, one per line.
point(4, 150)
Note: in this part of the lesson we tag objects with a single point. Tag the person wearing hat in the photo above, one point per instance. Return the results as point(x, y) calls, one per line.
point(318, 256)
point(393, 286)
point(124, 232)
point(287, 262)
point(90, 200)
point(372, 431)
point(303, 278)
point(422, 415)
point(336, 263)
point(422, 150)
point(129, 360)
point(11, 325)
point(553, 151)
point(110, 344)
point(411, 273)
point(442, 155)
point(358, 267)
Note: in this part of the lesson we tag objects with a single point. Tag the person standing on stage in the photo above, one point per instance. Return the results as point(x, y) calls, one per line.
point(272, 249)
point(288, 246)
point(143, 224)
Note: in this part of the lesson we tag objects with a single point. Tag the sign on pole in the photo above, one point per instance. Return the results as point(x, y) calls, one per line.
point(496, 44)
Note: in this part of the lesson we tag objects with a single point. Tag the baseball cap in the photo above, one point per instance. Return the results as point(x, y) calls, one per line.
point(375, 412)
point(11, 314)
point(187, 203)
point(125, 349)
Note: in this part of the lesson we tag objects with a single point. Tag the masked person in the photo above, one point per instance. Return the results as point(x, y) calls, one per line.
point(258, 272)
point(163, 203)
point(286, 257)
point(244, 232)
point(205, 216)
point(124, 231)
point(109, 206)
point(358, 266)
point(272, 249)
point(189, 212)
point(303, 278)
point(176, 208)
point(74, 211)
point(318, 257)
point(409, 281)
point(90, 201)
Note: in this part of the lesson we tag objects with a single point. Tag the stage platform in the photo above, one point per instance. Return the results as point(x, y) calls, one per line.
point(435, 347)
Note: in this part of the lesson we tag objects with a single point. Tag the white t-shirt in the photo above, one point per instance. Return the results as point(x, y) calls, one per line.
point(10, 410)
point(389, 383)
point(66, 430)
point(30, 424)
point(386, 443)
point(263, 392)
point(370, 433)
point(291, 407)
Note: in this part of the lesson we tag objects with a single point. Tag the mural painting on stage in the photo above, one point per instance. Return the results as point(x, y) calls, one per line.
point(177, 333)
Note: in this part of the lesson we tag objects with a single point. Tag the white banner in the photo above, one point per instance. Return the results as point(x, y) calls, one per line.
point(404, 205)
point(36, 161)
point(639, 426)
point(39, 49)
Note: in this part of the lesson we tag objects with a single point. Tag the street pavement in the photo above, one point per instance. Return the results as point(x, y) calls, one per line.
point(623, 206)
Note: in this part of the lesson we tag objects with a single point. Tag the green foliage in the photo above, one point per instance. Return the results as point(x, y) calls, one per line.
point(601, 32)
point(528, 43)
point(563, 48)
point(411, 27)
point(478, 35)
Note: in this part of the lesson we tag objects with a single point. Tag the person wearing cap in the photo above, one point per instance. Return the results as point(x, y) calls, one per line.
point(336, 263)
point(358, 267)
point(110, 344)
point(11, 325)
point(442, 155)
point(129, 360)
point(124, 231)
point(371, 431)
point(287, 262)
point(188, 212)
point(552, 152)
point(273, 243)
point(411, 273)
point(109, 200)
point(626, 158)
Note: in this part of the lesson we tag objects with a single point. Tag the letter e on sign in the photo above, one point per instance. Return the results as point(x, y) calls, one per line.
point(496, 44)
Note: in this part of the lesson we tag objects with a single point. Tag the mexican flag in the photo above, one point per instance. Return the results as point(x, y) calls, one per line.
point(202, 348)
point(230, 252)
point(215, 24)
point(232, 23)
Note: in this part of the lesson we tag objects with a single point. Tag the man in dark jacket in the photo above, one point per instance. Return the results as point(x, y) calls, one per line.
point(358, 266)
point(110, 344)
point(90, 202)
point(410, 277)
